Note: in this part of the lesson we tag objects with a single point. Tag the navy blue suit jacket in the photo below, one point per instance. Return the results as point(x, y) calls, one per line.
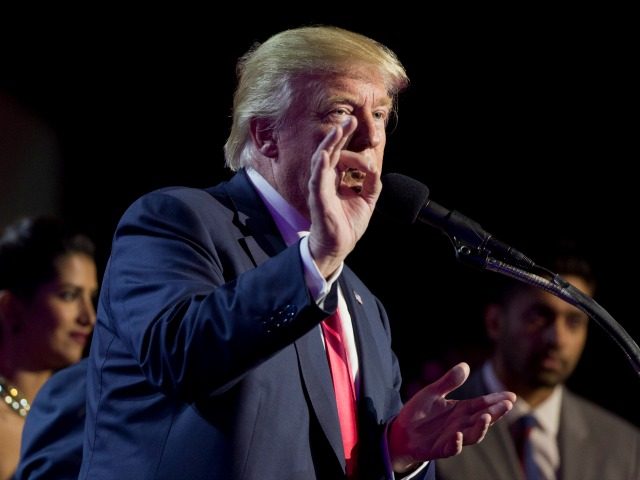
point(52, 435)
point(207, 360)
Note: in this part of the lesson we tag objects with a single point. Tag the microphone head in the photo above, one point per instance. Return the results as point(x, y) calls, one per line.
point(402, 197)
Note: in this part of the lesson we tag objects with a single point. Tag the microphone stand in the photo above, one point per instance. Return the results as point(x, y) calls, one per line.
point(556, 285)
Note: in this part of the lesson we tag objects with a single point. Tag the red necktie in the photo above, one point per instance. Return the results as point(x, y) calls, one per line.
point(343, 386)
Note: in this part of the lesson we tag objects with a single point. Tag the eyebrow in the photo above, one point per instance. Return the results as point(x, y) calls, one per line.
point(381, 102)
point(77, 287)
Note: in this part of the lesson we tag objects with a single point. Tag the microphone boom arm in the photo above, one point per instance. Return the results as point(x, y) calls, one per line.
point(409, 201)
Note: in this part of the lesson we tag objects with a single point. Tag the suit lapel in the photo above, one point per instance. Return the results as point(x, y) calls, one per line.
point(260, 239)
point(377, 399)
point(259, 236)
point(369, 361)
point(317, 375)
point(314, 367)
point(573, 444)
point(502, 441)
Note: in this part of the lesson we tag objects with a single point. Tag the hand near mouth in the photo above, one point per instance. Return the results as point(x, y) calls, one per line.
point(353, 179)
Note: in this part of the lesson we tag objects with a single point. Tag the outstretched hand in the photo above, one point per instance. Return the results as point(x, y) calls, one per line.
point(431, 426)
point(339, 214)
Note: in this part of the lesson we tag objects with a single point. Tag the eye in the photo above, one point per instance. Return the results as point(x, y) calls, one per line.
point(68, 295)
point(336, 114)
point(381, 115)
point(536, 321)
point(341, 112)
point(577, 322)
point(538, 317)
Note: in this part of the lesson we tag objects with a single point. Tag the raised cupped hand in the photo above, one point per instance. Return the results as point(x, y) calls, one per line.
point(339, 214)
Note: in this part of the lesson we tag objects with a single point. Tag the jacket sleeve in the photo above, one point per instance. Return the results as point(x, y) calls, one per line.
point(179, 294)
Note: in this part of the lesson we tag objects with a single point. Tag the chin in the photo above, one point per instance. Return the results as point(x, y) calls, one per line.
point(550, 379)
point(68, 358)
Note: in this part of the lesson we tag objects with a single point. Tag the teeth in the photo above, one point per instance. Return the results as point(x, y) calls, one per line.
point(353, 178)
point(355, 174)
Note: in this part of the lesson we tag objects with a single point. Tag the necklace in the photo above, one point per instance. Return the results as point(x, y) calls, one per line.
point(13, 398)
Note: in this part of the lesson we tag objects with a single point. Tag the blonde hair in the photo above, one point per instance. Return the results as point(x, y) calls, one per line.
point(265, 73)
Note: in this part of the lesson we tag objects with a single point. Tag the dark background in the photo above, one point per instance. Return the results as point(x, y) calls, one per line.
point(524, 121)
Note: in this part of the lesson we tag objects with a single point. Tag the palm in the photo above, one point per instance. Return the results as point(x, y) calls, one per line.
point(431, 426)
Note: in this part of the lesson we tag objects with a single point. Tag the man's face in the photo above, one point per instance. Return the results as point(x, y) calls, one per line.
point(539, 338)
point(320, 103)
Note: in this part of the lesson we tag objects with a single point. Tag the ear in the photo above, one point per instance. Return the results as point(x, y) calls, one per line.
point(493, 320)
point(11, 311)
point(264, 138)
point(5, 305)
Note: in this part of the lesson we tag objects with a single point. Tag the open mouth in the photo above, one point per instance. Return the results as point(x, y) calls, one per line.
point(353, 179)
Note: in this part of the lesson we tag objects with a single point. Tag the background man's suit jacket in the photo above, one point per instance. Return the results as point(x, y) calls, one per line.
point(594, 445)
point(191, 379)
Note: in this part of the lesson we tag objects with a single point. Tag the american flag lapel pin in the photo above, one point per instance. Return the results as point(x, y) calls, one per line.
point(357, 297)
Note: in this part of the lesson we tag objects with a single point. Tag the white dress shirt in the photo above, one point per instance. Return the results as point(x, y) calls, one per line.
point(544, 435)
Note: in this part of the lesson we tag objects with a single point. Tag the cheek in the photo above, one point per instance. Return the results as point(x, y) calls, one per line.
point(55, 314)
point(579, 340)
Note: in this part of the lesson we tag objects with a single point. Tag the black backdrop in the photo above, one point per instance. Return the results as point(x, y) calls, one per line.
point(523, 122)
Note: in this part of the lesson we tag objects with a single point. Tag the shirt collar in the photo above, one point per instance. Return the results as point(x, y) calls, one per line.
point(547, 413)
point(290, 222)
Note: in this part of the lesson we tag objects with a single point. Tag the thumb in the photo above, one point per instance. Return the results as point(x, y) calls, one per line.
point(451, 380)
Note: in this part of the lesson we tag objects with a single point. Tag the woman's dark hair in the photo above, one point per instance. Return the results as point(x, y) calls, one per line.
point(29, 249)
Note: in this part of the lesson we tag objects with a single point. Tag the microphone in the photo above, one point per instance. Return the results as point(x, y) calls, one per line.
point(407, 200)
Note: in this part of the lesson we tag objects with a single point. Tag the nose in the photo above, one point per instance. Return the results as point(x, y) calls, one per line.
point(87, 313)
point(556, 332)
point(368, 133)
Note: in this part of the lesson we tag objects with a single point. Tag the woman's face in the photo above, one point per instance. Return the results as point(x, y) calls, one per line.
point(58, 320)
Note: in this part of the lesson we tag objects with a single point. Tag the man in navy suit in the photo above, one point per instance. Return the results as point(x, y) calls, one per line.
point(208, 360)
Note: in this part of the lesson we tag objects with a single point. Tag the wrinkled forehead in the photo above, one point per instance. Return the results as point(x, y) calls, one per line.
point(357, 85)
point(528, 297)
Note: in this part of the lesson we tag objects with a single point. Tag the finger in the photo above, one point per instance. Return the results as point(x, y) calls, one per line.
point(344, 132)
point(320, 158)
point(451, 447)
point(363, 161)
point(348, 126)
point(336, 137)
point(476, 432)
point(372, 179)
point(472, 406)
point(498, 410)
point(498, 397)
point(451, 380)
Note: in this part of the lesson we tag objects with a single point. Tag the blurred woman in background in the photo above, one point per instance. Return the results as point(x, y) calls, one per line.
point(48, 283)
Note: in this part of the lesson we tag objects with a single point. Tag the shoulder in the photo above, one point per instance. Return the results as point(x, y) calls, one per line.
point(185, 203)
point(597, 416)
point(172, 209)
point(191, 198)
point(64, 383)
